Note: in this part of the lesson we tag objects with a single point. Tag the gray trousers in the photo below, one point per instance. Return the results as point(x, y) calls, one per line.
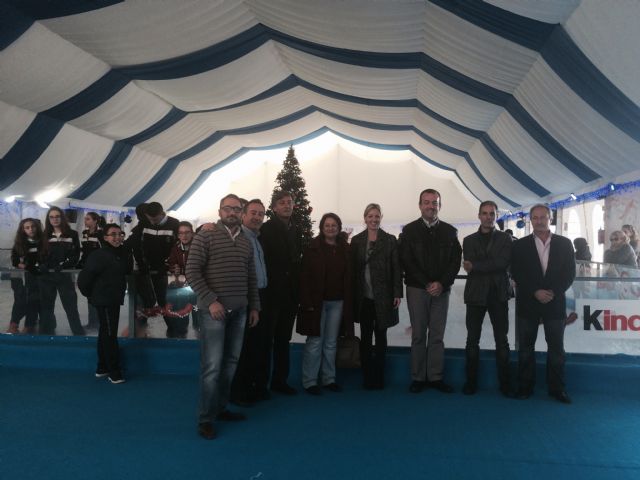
point(428, 314)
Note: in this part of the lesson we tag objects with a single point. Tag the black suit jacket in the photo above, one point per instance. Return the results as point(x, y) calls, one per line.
point(490, 267)
point(526, 270)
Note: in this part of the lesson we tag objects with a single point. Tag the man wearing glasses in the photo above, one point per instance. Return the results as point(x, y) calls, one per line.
point(221, 271)
point(543, 266)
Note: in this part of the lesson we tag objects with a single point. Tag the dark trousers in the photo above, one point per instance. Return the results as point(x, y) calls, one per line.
point(50, 284)
point(26, 300)
point(371, 358)
point(499, 315)
point(554, 335)
point(281, 315)
point(93, 320)
point(108, 354)
point(252, 373)
point(152, 290)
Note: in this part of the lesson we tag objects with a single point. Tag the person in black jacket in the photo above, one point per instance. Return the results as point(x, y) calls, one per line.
point(61, 251)
point(151, 241)
point(377, 293)
point(25, 255)
point(487, 255)
point(103, 281)
point(430, 254)
point(92, 240)
point(543, 266)
point(282, 245)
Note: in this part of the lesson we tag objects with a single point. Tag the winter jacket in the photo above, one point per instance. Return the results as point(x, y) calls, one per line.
point(103, 277)
point(61, 252)
point(91, 241)
point(152, 244)
point(386, 276)
point(430, 254)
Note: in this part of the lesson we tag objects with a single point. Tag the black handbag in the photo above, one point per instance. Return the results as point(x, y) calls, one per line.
point(348, 352)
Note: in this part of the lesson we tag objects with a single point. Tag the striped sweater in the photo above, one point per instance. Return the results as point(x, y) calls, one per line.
point(220, 268)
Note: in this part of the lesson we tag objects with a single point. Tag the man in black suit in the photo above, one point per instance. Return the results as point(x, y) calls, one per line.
point(487, 255)
point(543, 266)
point(282, 245)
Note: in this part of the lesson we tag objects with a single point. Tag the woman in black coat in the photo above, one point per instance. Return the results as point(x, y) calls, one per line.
point(376, 294)
point(103, 282)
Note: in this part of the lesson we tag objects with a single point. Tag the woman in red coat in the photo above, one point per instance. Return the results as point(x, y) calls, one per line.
point(325, 303)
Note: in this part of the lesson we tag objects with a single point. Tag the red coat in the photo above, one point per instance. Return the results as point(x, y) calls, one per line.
point(312, 290)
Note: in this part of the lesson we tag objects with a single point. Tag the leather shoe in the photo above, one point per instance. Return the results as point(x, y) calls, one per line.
point(561, 396)
point(206, 431)
point(334, 387)
point(417, 386)
point(523, 394)
point(283, 388)
point(441, 386)
point(313, 390)
point(469, 388)
point(229, 416)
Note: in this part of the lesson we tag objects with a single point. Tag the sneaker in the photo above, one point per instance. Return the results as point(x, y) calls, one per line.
point(13, 328)
point(115, 379)
point(101, 374)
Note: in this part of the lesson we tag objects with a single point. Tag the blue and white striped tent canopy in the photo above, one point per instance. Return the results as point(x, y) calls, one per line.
point(121, 102)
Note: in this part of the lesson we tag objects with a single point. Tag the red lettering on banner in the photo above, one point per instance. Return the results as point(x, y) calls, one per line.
point(632, 322)
point(614, 322)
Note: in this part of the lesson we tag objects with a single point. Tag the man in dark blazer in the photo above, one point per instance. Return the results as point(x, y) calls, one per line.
point(543, 266)
point(487, 255)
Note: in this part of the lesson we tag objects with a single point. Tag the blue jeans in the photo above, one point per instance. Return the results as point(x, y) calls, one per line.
point(321, 351)
point(220, 347)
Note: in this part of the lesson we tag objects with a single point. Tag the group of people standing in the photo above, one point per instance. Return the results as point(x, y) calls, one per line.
point(333, 283)
point(43, 254)
point(253, 279)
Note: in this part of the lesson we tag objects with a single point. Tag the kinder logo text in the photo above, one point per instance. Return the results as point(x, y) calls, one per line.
point(609, 320)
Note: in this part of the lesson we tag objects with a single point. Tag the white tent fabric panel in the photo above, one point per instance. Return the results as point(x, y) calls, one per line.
point(456, 106)
point(385, 28)
point(182, 135)
point(71, 158)
point(41, 70)
point(495, 174)
point(127, 113)
point(575, 124)
point(351, 79)
point(536, 163)
point(143, 31)
point(474, 51)
point(600, 30)
point(13, 123)
point(128, 179)
point(229, 84)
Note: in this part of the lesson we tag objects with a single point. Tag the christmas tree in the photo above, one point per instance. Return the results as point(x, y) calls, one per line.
point(290, 179)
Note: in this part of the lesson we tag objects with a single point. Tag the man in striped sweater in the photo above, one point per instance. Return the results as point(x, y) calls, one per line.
point(221, 270)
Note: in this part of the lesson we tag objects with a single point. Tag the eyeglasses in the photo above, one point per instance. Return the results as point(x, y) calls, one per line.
point(185, 233)
point(615, 239)
point(115, 235)
point(229, 209)
point(53, 217)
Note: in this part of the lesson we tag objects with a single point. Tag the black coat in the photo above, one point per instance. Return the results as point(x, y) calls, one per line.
point(526, 270)
point(103, 277)
point(489, 272)
point(430, 254)
point(282, 247)
point(386, 277)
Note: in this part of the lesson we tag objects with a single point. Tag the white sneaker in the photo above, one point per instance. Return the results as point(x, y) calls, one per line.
point(116, 380)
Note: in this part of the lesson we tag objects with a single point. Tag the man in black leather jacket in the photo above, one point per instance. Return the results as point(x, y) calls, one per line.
point(487, 255)
point(430, 254)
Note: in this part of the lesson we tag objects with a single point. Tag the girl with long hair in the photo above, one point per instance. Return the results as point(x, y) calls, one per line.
point(25, 255)
point(92, 240)
point(61, 251)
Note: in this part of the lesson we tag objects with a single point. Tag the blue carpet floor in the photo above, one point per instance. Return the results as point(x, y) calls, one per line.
point(65, 424)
